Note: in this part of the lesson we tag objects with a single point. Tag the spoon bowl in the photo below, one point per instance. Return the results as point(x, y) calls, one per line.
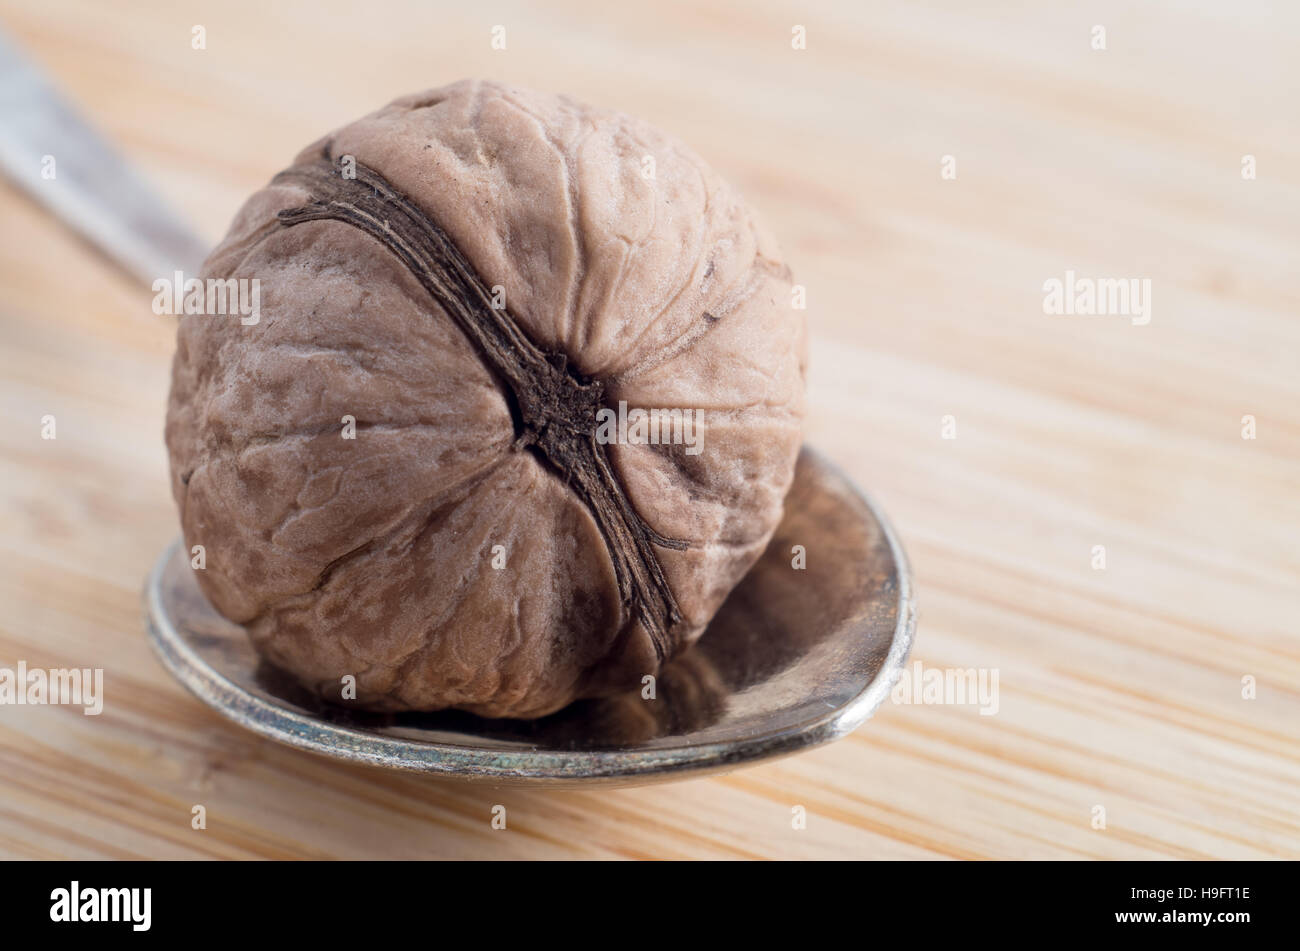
point(802, 652)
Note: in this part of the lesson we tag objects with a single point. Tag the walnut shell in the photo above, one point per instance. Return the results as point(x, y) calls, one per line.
point(381, 300)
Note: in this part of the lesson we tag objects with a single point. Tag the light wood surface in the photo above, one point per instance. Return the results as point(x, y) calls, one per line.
point(1119, 688)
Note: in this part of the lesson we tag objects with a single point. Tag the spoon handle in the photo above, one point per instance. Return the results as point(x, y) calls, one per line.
point(49, 151)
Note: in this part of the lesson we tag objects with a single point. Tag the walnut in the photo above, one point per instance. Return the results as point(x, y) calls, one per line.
point(431, 463)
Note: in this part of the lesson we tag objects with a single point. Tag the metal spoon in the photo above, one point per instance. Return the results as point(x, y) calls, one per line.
point(803, 651)
point(796, 657)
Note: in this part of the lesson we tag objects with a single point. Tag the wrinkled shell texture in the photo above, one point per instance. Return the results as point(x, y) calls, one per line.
point(373, 556)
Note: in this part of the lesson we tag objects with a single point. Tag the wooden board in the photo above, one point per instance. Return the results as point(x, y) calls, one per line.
point(1120, 688)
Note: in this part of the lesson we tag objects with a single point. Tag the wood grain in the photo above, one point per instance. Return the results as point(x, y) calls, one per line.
point(1120, 688)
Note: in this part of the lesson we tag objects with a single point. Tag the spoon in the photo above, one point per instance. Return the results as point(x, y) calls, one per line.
point(796, 657)
point(802, 652)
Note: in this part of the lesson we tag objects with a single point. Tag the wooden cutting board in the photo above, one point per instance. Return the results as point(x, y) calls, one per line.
point(1121, 688)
